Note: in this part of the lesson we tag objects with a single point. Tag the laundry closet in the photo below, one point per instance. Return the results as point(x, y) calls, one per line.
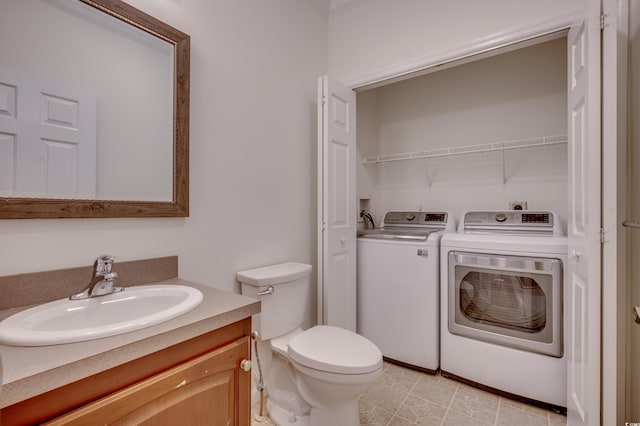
point(444, 140)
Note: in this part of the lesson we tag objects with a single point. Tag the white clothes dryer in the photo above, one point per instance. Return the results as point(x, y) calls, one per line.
point(398, 286)
point(502, 323)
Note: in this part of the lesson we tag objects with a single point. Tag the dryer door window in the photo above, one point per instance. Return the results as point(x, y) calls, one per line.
point(510, 301)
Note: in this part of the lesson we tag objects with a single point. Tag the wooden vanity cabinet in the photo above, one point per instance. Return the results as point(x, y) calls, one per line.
point(198, 392)
point(198, 382)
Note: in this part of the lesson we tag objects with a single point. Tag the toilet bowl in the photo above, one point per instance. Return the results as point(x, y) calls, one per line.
point(315, 376)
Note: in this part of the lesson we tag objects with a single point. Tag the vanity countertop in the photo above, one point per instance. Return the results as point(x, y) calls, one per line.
point(30, 371)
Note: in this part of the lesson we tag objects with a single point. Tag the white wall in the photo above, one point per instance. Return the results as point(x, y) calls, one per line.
point(380, 36)
point(254, 67)
point(513, 96)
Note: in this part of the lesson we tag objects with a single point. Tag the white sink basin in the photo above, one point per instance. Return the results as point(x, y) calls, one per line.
point(68, 321)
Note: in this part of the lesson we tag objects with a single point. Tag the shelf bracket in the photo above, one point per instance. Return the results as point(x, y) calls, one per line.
point(426, 170)
point(504, 170)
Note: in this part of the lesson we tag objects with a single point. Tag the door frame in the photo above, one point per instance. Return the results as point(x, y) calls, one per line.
point(616, 309)
point(480, 48)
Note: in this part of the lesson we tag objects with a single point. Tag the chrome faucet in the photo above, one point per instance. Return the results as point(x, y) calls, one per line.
point(102, 281)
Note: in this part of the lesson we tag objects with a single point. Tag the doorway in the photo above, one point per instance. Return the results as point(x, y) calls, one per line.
point(518, 96)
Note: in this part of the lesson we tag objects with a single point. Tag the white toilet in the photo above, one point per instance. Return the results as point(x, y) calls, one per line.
point(315, 376)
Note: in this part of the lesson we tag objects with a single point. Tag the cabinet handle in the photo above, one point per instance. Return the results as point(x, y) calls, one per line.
point(245, 365)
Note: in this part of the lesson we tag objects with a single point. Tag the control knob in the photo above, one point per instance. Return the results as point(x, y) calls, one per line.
point(411, 217)
point(501, 217)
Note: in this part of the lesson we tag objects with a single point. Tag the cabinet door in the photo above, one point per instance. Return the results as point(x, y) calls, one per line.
point(208, 390)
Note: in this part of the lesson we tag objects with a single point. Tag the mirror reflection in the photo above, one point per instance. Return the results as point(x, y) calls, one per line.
point(86, 105)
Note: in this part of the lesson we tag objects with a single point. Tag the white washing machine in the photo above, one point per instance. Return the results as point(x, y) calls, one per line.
point(398, 286)
point(502, 297)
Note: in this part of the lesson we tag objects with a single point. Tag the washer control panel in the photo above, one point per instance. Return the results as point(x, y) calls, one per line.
point(416, 218)
point(410, 218)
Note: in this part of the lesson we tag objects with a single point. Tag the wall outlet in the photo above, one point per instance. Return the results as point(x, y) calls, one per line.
point(517, 205)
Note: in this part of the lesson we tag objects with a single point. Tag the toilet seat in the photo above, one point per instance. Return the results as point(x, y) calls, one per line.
point(281, 344)
point(334, 350)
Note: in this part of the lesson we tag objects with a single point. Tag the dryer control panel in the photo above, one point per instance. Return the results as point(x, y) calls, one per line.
point(511, 221)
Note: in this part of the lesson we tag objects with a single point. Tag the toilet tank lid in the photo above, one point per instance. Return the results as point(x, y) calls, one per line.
point(275, 274)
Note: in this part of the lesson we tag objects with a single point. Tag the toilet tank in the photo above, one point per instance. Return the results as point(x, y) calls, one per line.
point(284, 309)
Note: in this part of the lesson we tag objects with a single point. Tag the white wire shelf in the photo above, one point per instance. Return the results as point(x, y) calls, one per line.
point(470, 149)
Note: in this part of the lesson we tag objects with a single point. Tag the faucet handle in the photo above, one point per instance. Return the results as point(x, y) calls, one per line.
point(103, 264)
point(111, 276)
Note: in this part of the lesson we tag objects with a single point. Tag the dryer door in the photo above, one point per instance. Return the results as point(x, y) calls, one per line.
point(508, 300)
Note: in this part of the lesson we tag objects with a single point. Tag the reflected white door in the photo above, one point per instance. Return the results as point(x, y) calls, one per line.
point(582, 292)
point(47, 138)
point(337, 214)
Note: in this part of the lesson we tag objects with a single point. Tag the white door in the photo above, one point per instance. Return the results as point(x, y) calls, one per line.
point(583, 275)
point(337, 214)
point(47, 138)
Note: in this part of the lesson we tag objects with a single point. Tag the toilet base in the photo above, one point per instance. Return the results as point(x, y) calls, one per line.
point(282, 417)
point(347, 414)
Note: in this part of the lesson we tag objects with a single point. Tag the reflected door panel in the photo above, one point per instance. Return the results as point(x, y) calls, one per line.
point(47, 138)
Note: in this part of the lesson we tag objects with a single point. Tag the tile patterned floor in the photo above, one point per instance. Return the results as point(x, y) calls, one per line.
point(407, 397)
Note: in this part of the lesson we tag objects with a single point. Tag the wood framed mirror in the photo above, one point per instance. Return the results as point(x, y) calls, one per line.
point(136, 154)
